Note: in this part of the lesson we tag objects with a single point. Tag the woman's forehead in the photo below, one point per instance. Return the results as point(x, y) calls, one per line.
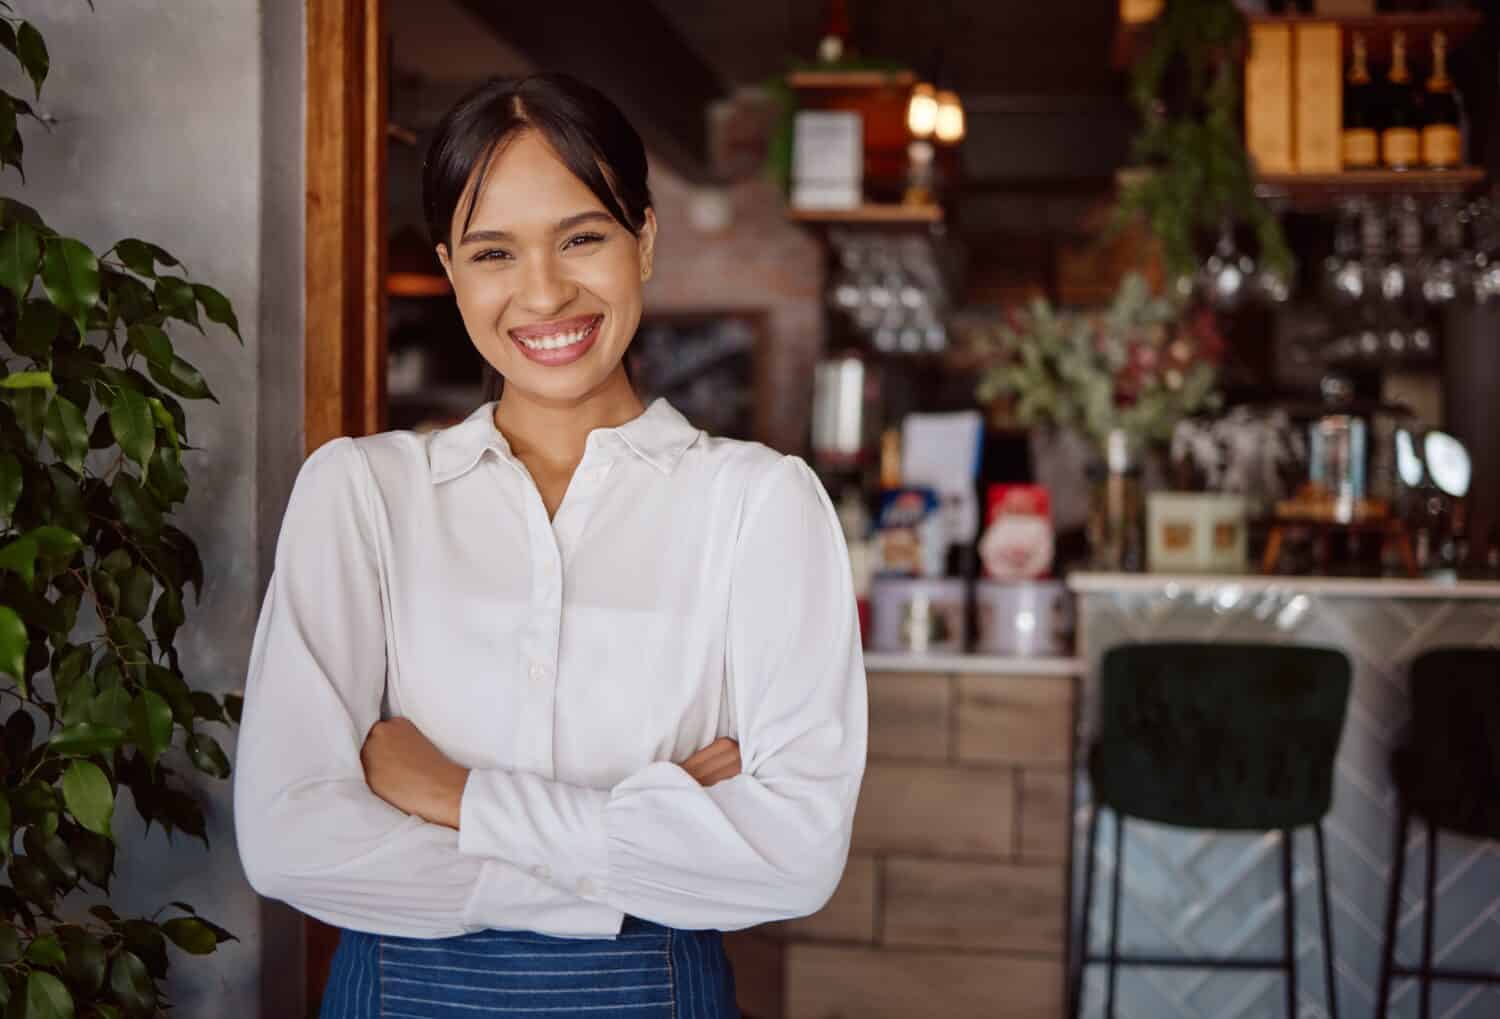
point(526, 183)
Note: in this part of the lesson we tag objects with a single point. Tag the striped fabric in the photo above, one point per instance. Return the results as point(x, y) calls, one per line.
point(648, 972)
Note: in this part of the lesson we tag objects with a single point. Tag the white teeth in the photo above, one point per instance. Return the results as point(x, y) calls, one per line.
point(557, 340)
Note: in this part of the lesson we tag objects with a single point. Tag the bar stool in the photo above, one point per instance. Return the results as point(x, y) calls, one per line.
point(1237, 737)
point(1446, 776)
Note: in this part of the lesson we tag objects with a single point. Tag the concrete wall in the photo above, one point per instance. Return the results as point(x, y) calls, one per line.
point(182, 124)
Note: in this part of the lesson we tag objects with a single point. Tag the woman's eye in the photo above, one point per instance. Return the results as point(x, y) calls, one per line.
point(490, 255)
point(577, 239)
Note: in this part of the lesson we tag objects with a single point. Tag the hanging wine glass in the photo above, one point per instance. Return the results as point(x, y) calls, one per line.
point(1225, 275)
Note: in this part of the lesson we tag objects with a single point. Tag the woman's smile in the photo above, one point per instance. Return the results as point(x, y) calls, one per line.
point(560, 342)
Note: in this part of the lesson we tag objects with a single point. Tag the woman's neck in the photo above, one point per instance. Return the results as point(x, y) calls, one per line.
point(553, 435)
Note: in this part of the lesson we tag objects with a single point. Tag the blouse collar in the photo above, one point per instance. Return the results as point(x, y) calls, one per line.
point(659, 435)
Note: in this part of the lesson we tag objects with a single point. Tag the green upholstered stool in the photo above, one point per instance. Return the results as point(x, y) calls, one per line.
point(1448, 776)
point(1237, 737)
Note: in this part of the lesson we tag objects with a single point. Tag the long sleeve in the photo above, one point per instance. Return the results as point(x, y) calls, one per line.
point(309, 830)
point(770, 843)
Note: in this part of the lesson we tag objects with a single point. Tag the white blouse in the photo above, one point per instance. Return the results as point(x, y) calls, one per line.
point(688, 587)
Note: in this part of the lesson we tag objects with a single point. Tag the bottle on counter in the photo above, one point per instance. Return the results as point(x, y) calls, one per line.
point(1400, 138)
point(1442, 139)
point(1361, 135)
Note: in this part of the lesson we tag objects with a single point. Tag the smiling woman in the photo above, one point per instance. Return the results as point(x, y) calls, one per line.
point(536, 199)
point(540, 703)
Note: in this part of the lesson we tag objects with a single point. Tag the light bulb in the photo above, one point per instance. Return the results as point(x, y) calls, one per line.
point(922, 111)
point(950, 118)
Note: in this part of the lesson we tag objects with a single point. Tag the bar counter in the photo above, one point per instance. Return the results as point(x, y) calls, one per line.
point(954, 900)
point(1206, 893)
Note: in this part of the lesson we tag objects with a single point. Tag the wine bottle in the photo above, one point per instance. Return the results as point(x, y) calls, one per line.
point(1400, 140)
point(1442, 142)
point(1361, 139)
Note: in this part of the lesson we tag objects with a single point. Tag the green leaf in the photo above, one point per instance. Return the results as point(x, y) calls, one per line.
point(28, 380)
point(30, 409)
point(20, 558)
point(233, 705)
point(124, 632)
point(31, 49)
point(207, 756)
point(70, 275)
point(175, 297)
point(151, 723)
point(10, 944)
point(165, 421)
point(136, 588)
point(111, 708)
point(20, 257)
point(87, 792)
point(190, 935)
point(78, 705)
point(167, 616)
point(40, 324)
point(45, 951)
point(55, 541)
point(166, 477)
point(46, 996)
point(95, 857)
point(136, 256)
point(151, 342)
point(13, 645)
point(50, 852)
point(85, 739)
point(218, 309)
point(181, 378)
point(10, 484)
point(130, 419)
point(67, 431)
point(87, 961)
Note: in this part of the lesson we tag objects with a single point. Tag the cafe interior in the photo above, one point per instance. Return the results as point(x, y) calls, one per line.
point(1146, 349)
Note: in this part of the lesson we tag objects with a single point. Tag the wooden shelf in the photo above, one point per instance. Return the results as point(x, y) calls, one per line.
point(1315, 189)
point(1377, 29)
point(840, 80)
point(416, 284)
point(873, 213)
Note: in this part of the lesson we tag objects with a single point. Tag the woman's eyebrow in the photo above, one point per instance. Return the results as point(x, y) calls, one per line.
point(563, 225)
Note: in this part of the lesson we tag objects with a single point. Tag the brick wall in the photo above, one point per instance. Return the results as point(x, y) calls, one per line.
point(761, 262)
point(954, 900)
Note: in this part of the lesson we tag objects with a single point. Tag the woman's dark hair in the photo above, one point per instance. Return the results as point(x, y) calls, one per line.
point(586, 130)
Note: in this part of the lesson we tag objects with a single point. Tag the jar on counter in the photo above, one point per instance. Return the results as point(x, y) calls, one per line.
point(918, 615)
point(1027, 618)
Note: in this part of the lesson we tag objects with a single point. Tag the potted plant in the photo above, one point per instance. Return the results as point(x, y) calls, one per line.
point(1122, 376)
point(94, 579)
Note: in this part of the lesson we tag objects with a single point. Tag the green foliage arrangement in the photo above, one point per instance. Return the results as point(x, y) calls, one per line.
point(1185, 86)
point(1141, 365)
point(93, 578)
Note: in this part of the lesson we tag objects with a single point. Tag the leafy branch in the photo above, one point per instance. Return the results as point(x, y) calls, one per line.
point(93, 580)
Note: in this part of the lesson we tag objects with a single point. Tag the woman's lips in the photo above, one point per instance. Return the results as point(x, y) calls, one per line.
point(578, 335)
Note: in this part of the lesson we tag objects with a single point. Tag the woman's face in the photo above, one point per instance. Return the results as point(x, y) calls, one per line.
point(548, 283)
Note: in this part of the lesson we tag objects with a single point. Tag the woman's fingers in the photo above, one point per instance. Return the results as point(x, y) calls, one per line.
point(716, 762)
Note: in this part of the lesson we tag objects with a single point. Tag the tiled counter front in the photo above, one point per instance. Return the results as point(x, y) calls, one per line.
point(1205, 893)
point(954, 900)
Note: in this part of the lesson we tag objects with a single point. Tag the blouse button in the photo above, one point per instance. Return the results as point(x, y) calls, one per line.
point(586, 887)
point(538, 672)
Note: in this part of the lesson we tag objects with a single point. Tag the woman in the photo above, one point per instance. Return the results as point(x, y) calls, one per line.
point(541, 702)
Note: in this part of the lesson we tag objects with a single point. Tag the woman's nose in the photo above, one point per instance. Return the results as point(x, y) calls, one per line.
point(545, 287)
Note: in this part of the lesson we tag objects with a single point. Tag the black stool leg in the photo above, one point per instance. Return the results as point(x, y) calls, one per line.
point(1114, 914)
point(1429, 907)
point(1289, 923)
point(1333, 993)
point(1081, 956)
point(1392, 912)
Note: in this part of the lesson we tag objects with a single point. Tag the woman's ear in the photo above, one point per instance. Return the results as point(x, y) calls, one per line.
point(647, 242)
point(442, 254)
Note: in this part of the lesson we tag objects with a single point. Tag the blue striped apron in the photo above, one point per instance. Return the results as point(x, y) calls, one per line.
point(647, 972)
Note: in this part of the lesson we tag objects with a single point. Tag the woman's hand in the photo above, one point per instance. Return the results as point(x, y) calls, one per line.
point(715, 762)
point(403, 768)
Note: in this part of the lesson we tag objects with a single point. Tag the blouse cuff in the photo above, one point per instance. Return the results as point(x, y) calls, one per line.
point(554, 830)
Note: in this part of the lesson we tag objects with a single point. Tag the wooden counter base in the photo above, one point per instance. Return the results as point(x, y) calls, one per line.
point(954, 901)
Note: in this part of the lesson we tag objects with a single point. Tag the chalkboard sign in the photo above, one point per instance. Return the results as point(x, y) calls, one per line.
point(706, 364)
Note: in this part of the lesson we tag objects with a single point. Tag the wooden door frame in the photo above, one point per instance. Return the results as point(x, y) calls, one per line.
point(345, 346)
